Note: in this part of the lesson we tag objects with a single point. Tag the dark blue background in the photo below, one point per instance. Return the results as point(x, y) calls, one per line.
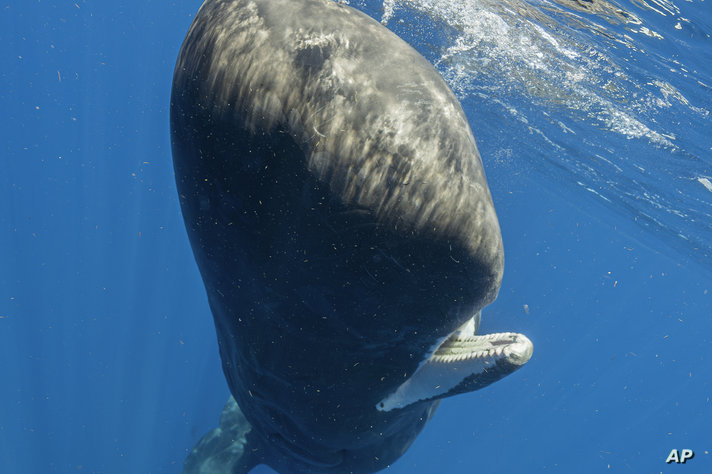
point(108, 358)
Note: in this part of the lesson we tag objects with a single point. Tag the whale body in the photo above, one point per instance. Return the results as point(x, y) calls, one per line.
point(339, 214)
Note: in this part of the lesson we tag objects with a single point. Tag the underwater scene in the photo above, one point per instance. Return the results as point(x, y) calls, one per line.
point(347, 278)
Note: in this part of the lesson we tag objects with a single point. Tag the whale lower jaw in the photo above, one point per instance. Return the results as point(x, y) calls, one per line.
point(461, 364)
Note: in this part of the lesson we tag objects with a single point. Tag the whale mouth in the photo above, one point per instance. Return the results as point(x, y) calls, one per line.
point(461, 363)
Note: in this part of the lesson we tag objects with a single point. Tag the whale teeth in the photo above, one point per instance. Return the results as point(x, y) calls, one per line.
point(483, 348)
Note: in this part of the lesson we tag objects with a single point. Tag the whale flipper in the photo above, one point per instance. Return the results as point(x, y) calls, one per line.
point(229, 448)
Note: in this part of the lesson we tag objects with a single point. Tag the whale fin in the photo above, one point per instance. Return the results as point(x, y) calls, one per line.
point(226, 449)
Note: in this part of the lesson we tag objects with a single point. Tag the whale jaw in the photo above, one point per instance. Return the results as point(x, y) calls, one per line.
point(461, 364)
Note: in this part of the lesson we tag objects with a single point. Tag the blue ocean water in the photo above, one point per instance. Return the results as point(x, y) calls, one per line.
point(593, 121)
